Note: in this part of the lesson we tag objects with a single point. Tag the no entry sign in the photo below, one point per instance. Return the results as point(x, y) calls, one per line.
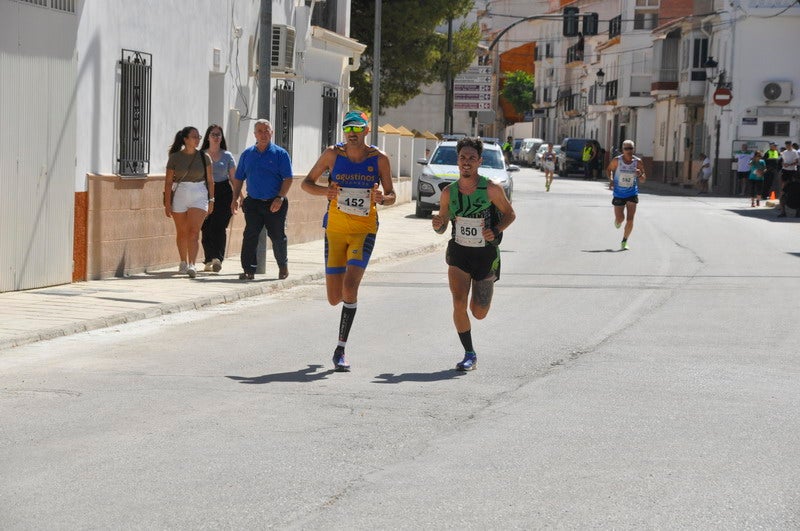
point(722, 97)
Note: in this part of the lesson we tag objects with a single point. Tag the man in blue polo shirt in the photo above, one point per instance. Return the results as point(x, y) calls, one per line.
point(268, 171)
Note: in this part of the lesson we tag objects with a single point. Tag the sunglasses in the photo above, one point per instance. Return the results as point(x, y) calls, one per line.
point(627, 149)
point(353, 129)
point(216, 135)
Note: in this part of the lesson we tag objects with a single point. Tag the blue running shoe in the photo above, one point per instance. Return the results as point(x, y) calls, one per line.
point(469, 363)
point(339, 364)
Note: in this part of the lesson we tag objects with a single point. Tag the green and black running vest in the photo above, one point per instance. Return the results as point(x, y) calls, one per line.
point(475, 205)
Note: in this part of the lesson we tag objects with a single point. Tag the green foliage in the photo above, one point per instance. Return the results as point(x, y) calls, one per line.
point(412, 52)
point(518, 90)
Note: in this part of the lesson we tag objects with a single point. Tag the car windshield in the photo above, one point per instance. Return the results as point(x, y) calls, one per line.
point(446, 155)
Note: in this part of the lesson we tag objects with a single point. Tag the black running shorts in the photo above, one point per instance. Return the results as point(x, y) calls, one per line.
point(482, 263)
point(620, 201)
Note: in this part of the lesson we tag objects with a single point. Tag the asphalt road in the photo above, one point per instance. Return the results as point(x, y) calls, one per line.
point(649, 388)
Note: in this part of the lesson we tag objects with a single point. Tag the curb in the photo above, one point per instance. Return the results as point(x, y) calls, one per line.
point(191, 304)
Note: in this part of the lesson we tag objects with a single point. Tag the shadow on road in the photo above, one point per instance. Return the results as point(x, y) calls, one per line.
point(307, 375)
point(602, 250)
point(389, 378)
point(767, 214)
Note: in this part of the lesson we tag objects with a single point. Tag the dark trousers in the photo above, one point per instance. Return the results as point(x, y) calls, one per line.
point(588, 168)
point(215, 225)
point(769, 177)
point(257, 215)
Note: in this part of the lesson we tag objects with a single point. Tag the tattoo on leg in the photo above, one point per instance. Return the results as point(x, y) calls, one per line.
point(482, 291)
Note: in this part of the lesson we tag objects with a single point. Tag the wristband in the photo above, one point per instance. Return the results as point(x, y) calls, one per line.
point(211, 199)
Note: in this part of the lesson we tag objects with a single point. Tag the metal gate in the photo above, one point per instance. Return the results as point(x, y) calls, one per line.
point(284, 114)
point(37, 170)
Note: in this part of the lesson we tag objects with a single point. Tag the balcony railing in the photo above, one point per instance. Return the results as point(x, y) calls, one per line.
point(615, 27)
point(574, 53)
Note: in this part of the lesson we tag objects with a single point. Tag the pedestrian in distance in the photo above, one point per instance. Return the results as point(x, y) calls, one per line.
point(268, 171)
point(625, 172)
point(743, 158)
point(508, 149)
point(549, 165)
point(588, 157)
point(480, 212)
point(188, 195)
point(772, 158)
point(358, 172)
point(223, 168)
point(704, 174)
point(756, 178)
point(790, 159)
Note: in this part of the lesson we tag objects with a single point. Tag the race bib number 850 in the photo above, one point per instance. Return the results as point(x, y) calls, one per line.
point(469, 232)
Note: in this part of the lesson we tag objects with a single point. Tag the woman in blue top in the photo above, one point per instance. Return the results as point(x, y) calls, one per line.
point(215, 225)
point(756, 178)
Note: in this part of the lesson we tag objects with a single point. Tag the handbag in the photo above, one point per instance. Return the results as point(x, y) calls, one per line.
point(175, 183)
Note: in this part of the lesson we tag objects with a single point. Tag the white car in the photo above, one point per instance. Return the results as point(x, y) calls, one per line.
point(441, 169)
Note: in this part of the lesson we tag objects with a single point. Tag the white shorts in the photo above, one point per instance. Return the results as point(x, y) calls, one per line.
point(190, 195)
point(549, 166)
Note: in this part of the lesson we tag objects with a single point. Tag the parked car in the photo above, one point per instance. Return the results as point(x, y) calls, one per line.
point(528, 150)
point(442, 169)
point(570, 160)
point(542, 149)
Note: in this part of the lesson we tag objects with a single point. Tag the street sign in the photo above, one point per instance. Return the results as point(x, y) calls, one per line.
point(472, 96)
point(467, 87)
point(472, 105)
point(722, 96)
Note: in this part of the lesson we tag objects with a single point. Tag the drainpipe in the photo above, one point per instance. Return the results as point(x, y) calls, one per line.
point(264, 93)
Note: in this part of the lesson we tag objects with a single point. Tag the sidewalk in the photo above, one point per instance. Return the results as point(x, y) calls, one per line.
point(40, 314)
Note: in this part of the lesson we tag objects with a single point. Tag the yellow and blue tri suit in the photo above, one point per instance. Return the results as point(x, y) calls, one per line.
point(351, 221)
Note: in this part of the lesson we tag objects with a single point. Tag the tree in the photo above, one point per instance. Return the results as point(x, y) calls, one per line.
point(413, 53)
point(518, 90)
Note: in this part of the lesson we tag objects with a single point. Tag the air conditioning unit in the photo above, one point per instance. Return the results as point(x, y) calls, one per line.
point(282, 58)
point(777, 91)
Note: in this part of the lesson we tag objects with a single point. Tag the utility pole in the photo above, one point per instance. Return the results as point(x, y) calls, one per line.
point(264, 93)
point(448, 82)
point(376, 73)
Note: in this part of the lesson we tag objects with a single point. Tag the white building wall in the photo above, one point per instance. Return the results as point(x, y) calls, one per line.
point(746, 47)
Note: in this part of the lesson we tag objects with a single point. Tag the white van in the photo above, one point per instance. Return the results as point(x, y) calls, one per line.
point(528, 150)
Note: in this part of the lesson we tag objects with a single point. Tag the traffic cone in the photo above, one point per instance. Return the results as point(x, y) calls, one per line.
point(772, 195)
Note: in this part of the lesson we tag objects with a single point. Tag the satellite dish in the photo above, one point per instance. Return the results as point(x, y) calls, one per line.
point(772, 91)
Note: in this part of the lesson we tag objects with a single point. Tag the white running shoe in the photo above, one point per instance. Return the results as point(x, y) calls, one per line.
point(191, 271)
point(182, 267)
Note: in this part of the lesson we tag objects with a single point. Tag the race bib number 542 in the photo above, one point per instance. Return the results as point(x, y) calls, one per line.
point(626, 179)
point(355, 201)
point(469, 232)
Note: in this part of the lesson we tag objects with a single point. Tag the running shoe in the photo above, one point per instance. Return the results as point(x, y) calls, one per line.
point(207, 267)
point(216, 265)
point(246, 276)
point(624, 245)
point(191, 271)
point(617, 224)
point(339, 363)
point(547, 188)
point(182, 267)
point(469, 363)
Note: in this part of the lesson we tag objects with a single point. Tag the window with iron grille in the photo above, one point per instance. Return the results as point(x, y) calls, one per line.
point(548, 50)
point(330, 104)
point(284, 114)
point(67, 6)
point(645, 20)
point(134, 120)
point(324, 14)
point(775, 129)
point(615, 26)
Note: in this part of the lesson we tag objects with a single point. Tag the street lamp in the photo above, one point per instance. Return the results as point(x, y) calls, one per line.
point(719, 80)
point(601, 76)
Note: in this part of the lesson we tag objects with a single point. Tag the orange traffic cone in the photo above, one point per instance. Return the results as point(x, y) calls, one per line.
point(772, 195)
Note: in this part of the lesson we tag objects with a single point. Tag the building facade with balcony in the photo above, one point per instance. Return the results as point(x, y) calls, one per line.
point(106, 86)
